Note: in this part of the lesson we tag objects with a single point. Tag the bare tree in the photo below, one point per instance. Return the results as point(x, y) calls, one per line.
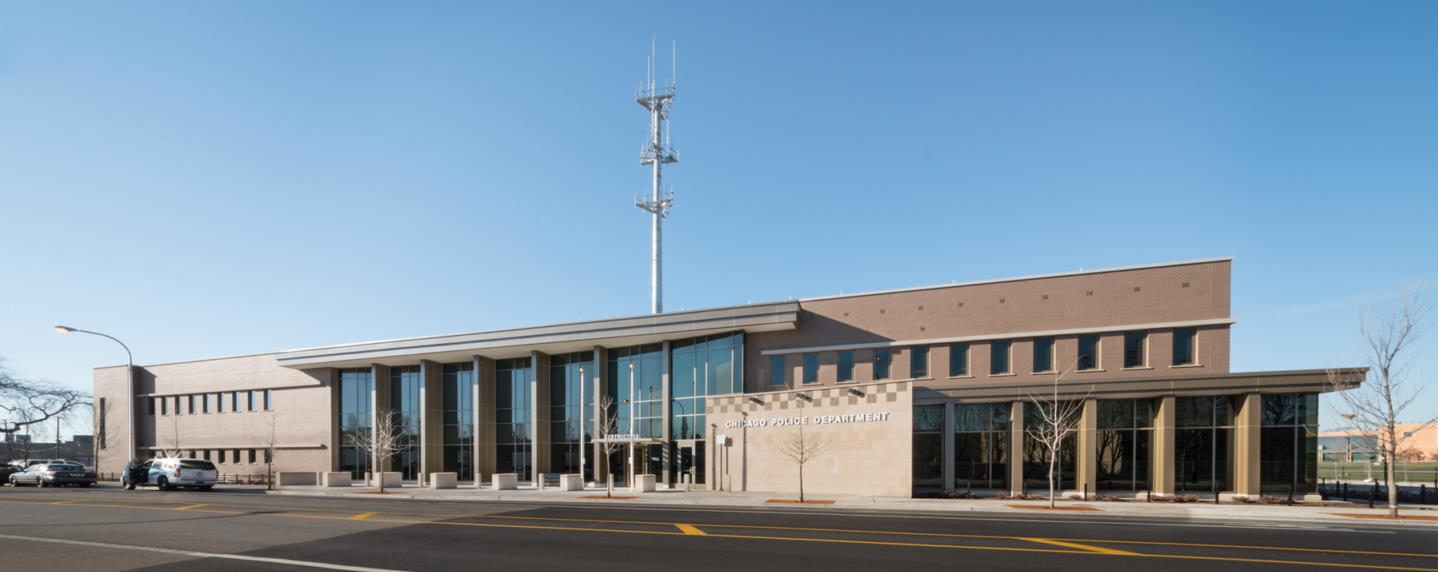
point(268, 441)
point(1058, 420)
point(605, 426)
point(1375, 405)
point(25, 402)
point(382, 441)
point(173, 450)
point(802, 449)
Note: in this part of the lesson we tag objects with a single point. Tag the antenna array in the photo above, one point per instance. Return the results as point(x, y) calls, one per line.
point(657, 99)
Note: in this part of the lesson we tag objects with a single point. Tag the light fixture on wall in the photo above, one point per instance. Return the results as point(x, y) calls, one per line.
point(855, 391)
point(804, 396)
point(756, 401)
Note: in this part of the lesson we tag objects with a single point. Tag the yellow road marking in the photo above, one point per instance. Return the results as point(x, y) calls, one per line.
point(190, 506)
point(690, 529)
point(71, 501)
point(1097, 549)
point(363, 515)
point(1247, 547)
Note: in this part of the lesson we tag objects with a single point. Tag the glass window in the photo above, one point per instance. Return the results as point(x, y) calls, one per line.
point(882, 359)
point(1288, 448)
point(151, 406)
point(958, 360)
point(250, 396)
point(1203, 443)
point(457, 418)
point(811, 368)
point(204, 403)
point(1036, 454)
point(192, 404)
point(981, 437)
point(999, 357)
point(235, 402)
point(776, 370)
point(1185, 343)
point(404, 401)
point(356, 390)
point(919, 362)
point(1124, 443)
point(1043, 355)
point(164, 406)
point(928, 433)
point(269, 395)
point(846, 366)
point(1135, 349)
point(1088, 352)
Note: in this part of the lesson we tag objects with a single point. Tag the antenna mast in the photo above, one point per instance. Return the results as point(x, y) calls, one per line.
point(657, 152)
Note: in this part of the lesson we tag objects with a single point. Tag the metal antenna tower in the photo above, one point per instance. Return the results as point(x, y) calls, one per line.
point(657, 152)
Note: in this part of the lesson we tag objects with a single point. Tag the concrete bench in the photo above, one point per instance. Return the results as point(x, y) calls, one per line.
point(295, 479)
point(336, 479)
point(643, 484)
point(571, 482)
point(506, 481)
point(391, 479)
point(443, 480)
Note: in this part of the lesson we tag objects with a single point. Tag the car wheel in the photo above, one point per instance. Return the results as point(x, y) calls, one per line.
point(40, 483)
point(163, 483)
point(206, 487)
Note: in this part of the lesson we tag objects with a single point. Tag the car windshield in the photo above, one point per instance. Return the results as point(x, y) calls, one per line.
point(197, 464)
point(64, 467)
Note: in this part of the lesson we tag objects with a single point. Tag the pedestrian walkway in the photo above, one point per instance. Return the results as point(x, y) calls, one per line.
point(1335, 512)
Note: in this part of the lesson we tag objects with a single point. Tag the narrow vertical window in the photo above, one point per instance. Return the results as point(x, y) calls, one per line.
point(250, 395)
point(103, 407)
point(999, 357)
point(776, 370)
point(919, 362)
point(1043, 355)
point(192, 404)
point(882, 359)
point(269, 396)
point(164, 406)
point(846, 366)
point(1135, 349)
point(235, 402)
point(1088, 352)
point(151, 407)
point(1184, 342)
point(958, 360)
point(811, 368)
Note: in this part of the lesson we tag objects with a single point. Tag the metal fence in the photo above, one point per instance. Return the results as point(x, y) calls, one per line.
point(1403, 472)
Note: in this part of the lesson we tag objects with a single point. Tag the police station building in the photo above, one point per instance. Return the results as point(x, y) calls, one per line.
point(898, 392)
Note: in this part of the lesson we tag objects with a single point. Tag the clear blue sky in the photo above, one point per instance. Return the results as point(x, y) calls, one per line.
point(206, 179)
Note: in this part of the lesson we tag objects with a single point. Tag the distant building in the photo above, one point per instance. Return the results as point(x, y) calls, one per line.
point(1416, 442)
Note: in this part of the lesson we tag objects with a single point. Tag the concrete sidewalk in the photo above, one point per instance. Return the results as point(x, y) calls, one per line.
point(690, 499)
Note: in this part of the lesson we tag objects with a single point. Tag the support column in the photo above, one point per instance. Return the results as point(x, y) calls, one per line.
point(664, 361)
point(598, 416)
point(484, 453)
point(1164, 466)
point(431, 416)
point(539, 413)
point(1016, 447)
point(948, 466)
point(380, 406)
point(1247, 428)
point(1087, 472)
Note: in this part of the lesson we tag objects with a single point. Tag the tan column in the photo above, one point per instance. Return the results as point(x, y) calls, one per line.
point(1247, 428)
point(379, 406)
point(1087, 470)
point(484, 455)
point(1016, 447)
point(1163, 447)
point(948, 467)
point(597, 460)
point(431, 411)
point(539, 413)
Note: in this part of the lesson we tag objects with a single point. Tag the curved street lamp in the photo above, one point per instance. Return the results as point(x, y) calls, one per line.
point(129, 384)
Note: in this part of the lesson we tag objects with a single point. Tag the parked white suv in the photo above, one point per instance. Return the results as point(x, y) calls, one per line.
point(175, 472)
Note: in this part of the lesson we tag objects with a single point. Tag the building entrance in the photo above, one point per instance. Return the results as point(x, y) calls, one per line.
point(688, 457)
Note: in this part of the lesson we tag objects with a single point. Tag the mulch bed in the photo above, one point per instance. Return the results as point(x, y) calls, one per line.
point(792, 501)
point(378, 493)
point(602, 497)
point(1033, 507)
point(1384, 516)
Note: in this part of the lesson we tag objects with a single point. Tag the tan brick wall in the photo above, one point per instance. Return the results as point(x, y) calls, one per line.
point(862, 458)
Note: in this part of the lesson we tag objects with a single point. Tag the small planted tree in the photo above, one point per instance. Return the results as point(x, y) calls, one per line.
point(801, 448)
point(1057, 421)
point(381, 442)
point(606, 425)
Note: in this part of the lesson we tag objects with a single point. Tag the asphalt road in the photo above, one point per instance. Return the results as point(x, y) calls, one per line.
point(110, 529)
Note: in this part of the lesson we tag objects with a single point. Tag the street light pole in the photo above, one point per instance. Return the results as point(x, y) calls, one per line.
point(129, 386)
point(631, 426)
point(581, 428)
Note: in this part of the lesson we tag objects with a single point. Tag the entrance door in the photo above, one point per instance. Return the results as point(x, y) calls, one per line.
point(689, 460)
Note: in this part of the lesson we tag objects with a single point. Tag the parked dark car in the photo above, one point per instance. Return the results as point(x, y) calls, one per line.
point(53, 475)
point(7, 470)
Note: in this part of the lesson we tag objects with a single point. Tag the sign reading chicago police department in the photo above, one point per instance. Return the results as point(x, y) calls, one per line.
point(809, 420)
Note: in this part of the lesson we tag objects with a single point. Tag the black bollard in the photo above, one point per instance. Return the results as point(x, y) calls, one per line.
point(1372, 494)
point(1290, 494)
point(1344, 487)
point(1085, 491)
point(1423, 493)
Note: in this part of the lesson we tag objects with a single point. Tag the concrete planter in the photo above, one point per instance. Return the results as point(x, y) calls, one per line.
point(643, 484)
point(336, 479)
point(391, 479)
point(506, 481)
point(571, 482)
point(443, 480)
point(296, 479)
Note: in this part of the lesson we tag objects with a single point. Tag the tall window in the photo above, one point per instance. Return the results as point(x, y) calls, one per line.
point(928, 447)
point(958, 360)
point(513, 432)
point(1185, 346)
point(457, 420)
point(235, 402)
point(164, 406)
point(646, 397)
point(981, 445)
point(1036, 454)
point(565, 434)
point(1288, 451)
point(1088, 353)
point(1135, 349)
point(811, 368)
point(151, 406)
point(999, 357)
point(1125, 439)
point(1203, 443)
point(700, 368)
point(776, 370)
point(204, 403)
point(1043, 355)
point(846, 366)
point(192, 404)
point(919, 362)
point(882, 359)
point(356, 387)
point(269, 399)
point(404, 387)
point(250, 397)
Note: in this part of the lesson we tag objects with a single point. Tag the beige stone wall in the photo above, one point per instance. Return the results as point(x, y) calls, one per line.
point(864, 458)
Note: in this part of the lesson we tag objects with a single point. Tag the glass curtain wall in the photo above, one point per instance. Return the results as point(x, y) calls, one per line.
point(1124, 444)
point(928, 447)
point(648, 396)
point(981, 445)
point(356, 391)
point(702, 367)
point(564, 430)
point(1288, 448)
point(1036, 455)
point(458, 419)
point(404, 387)
point(512, 419)
point(1203, 443)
